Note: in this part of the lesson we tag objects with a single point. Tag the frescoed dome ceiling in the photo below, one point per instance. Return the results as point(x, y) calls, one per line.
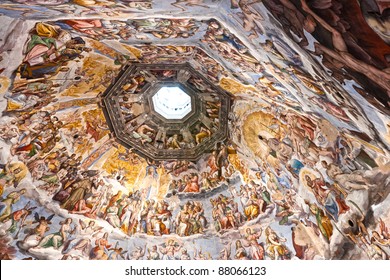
point(196, 127)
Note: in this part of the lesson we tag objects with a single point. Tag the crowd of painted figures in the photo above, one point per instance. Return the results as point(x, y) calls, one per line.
point(86, 193)
point(147, 135)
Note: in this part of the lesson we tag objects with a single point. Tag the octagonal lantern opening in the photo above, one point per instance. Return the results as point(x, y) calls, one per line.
point(145, 117)
point(172, 103)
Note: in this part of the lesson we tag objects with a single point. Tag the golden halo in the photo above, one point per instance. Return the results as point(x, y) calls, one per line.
point(309, 172)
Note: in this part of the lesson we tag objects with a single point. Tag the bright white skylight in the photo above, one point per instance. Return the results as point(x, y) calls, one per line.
point(172, 103)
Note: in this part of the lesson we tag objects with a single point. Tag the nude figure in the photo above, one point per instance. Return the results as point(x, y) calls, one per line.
point(341, 53)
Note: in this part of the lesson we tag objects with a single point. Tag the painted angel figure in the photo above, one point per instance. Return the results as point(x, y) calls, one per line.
point(82, 242)
point(256, 248)
point(225, 253)
point(275, 245)
point(138, 253)
point(169, 249)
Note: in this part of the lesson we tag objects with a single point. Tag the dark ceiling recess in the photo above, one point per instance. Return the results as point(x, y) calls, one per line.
point(129, 108)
